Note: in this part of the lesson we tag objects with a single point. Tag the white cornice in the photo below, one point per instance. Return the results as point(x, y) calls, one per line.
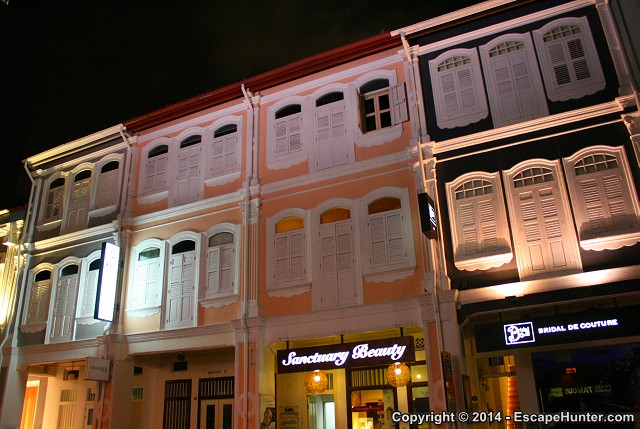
point(486, 31)
point(185, 209)
point(76, 145)
point(343, 170)
point(79, 237)
point(91, 157)
point(332, 78)
point(571, 281)
point(196, 121)
point(57, 352)
point(546, 122)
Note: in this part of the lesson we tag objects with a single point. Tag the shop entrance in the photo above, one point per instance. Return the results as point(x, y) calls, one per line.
point(321, 411)
point(216, 414)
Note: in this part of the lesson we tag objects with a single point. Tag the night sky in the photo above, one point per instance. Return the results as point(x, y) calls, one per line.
point(71, 68)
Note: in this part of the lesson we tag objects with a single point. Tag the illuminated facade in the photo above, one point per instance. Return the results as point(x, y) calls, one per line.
point(458, 196)
point(530, 134)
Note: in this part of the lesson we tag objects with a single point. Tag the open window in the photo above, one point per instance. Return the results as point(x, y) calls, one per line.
point(382, 105)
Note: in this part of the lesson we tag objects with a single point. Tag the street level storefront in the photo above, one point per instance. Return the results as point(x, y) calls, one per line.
point(356, 384)
point(578, 361)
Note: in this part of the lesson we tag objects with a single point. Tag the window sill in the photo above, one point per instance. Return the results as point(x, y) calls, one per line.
point(390, 274)
point(221, 180)
point(611, 242)
point(152, 198)
point(217, 301)
point(286, 161)
point(103, 211)
point(378, 137)
point(140, 313)
point(483, 262)
point(288, 291)
point(87, 320)
point(30, 328)
point(48, 226)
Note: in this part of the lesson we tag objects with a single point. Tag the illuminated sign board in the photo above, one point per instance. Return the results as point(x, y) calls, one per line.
point(559, 329)
point(107, 282)
point(428, 218)
point(346, 355)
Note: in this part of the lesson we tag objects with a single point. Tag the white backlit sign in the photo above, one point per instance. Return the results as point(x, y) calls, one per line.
point(519, 333)
point(107, 283)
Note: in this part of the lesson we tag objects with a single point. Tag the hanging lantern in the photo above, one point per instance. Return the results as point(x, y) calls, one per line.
point(398, 374)
point(316, 382)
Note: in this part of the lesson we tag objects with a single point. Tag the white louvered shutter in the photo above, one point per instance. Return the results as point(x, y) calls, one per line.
point(607, 201)
point(288, 135)
point(289, 257)
point(387, 244)
point(39, 302)
point(86, 306)
point(331, 135)
point(107, 190)
point(346, 273)
point(64, 308)
point(77, 215)
point(399, 109)
point(328, 266)
point(188, 181)
point(180, 293)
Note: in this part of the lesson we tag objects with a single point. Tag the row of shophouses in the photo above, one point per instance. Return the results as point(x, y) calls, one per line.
point(460, 195)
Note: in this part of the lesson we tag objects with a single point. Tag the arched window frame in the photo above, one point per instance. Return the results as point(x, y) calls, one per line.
point(465, 83)
point(398, 108)
point(66, 262)
point(187, 167)
point(178, 238)
point(150, 306)
point(613, 187)
point(216, 300)
point(387, 272)
point(557, 240)
point(316, 254)
point(112, 182)
point(40, 294)
point(582, 43)
point(148, 193)
point(85, 290)
point(485, 216)
point(69, 200)
point(47, 223)
point(529, 103)
point(289, 157)
point(230, 172)
point(287, 289)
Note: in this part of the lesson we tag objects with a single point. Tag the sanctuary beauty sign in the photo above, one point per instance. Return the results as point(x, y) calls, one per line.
point(346, 355)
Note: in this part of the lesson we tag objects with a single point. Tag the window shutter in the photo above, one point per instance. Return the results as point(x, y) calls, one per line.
point(213, 270)
point(88, 303)
point(64, 309)
point(39, 302)
point(231, 143)
point(224, 154)
point(282, 142)
point(188, 180)
point(227, 252)
point(608, 207)
point(150, 175)
point(338, 141)
point(323, 137)
point(398, 104)
point(282, 258)
point(295, 137)
point(174, 292)
point(344, 253)
point(79, 205)
point(181, 289)
point(379, 257)
point(107, 189)
point(153, 283)
point(361, 114)
point(328, 265)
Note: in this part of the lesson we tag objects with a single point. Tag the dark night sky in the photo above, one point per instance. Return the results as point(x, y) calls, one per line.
point(74, 67)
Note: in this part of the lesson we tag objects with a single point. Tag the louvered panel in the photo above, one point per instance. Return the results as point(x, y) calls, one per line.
point(378, 240)
point(612, 187)
point(282, 258)
point(296, 255)
point(619, 216)
point(226, 268)
point(213, 275)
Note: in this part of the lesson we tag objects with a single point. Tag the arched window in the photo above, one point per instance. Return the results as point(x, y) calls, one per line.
point(225, 151)
point(107, 188)
point(288, 130)
point(53, 200)
point(77, 214)
point(155, 178)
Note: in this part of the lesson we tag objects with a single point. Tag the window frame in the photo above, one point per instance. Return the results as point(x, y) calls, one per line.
point(612, 238)
point(110, 208)
point(388, 272)
point(356, 251)
point(291, 288)
point(196, 184)
point(462, 117)
point(485, 259)
point(60, 266)
point(157, 193)
point(66, 227)
point(275, 161)
point(176, 239)
point(44, 223)
point(212, 178)
point(566, 226)
point(217, 300)
point(149, 308)
point(576, 88)
point(30, 326)
point(537, 88)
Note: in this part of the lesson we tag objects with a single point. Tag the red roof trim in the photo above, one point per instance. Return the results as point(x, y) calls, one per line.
point(266, 80)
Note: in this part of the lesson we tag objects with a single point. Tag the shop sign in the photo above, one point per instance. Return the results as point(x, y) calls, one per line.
point(346, 355)
point(98, 369)
point(559, 329)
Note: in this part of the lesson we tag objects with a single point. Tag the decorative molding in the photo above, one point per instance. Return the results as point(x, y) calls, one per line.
point(378, 137)
point(492, 29)
point(79, 237)
point(390, 275)
point(221, 180)
point(49, 225)
point(612, 242)
point(184, 209)
point(632, 121)
point(141, 313)
point(30, 328)
point(288, 291)
point(179, 333)
point(153, 197)
point(218, 301)
point(335, 172)
point(546, 122)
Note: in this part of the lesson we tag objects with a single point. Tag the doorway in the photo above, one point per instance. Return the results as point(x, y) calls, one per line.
point(216, 414)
